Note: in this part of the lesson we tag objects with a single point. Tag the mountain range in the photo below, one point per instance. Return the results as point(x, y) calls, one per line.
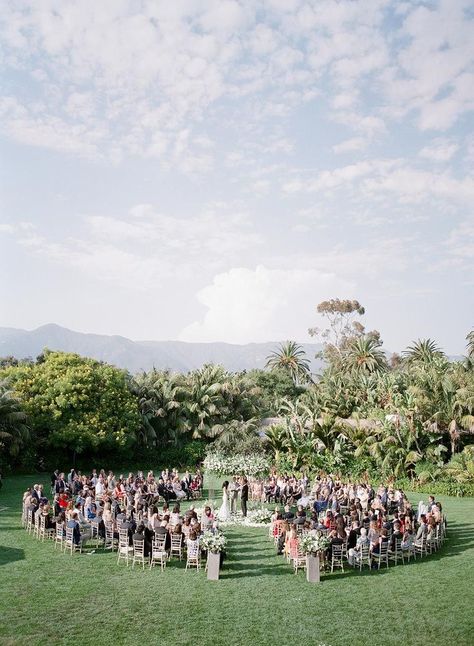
point(135, 356)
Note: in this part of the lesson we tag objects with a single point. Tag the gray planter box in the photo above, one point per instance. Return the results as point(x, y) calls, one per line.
point(312, 568)
point(213, 566)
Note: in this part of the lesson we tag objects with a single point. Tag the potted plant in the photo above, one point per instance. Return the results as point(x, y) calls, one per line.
point(214, 543)
point(311, 546)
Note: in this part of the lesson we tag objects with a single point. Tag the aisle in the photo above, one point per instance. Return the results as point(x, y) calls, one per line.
point(252, 554)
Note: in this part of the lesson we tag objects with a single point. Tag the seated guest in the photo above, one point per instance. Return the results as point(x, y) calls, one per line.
point(140, 536)
point(78, 537)
point(186, 527)
point(300, 518)
point(397, 534)
point(353, 535)
point(207, 519)
point(353, 554)
point(175, 516)
point(383, 538)
point(422, 529)
point(407, 541)
point(192, 543)
point(48, 521)
point(190, 513)
point(107, 515)
point(284, 531)
point(288, 514)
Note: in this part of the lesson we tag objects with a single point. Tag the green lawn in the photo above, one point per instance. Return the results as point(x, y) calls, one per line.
point(47, 597)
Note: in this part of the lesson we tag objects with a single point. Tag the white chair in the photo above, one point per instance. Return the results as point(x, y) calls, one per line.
point(95, 531)
point(158, 553)
point(362, 557)
point(193, 558)
point(176, 545)
point(299, 560)
point(138, 552)
point(110, 540)
point(337, 557)
point(29, 521)
point(381, 556)
point(43, 532)
point(69, 543)
point(124, 550)
point(397, 552)
point(59, 536)
point(37, 525)
point(420, 547)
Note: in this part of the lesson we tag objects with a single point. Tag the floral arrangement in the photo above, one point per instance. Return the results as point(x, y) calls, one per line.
point(249, 465)
point(311, 544)
point(260, 516)
point(254, 518)
point(213, 542)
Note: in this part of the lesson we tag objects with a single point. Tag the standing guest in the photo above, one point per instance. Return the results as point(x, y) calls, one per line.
point(54, 477)
point(244, 496)
point(60, 485)
point(234, 494)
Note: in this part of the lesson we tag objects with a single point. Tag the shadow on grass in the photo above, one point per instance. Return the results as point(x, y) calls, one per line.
point(11, 554)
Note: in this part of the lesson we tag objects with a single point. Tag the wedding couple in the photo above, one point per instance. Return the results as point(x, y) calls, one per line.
point(230, 493)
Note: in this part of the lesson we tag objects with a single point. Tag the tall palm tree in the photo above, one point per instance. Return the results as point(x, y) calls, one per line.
point(364, 356)
point(423, 351)
point(470, 344)
point(14, 431)
point(290, 357)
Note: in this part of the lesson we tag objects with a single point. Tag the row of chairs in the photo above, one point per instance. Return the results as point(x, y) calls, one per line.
point(61, 535)
point(339, 553)
point(134, 554)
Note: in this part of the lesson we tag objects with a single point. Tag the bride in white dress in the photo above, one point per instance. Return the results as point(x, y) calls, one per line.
point(224, 512)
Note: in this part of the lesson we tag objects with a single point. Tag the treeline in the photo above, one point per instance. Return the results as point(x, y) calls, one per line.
point(64, 408)
point(408, 416)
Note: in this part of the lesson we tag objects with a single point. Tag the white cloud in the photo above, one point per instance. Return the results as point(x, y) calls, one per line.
point(432, 73)
point(350, 145)
point(149, 247)
point(261, 304)
point(439, 150)
point(373, 178)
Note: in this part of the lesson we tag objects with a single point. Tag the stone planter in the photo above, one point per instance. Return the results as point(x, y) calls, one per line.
point(312, 568)
point(213, 566)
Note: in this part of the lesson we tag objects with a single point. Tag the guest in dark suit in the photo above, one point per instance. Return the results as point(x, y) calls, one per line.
point(244, 496)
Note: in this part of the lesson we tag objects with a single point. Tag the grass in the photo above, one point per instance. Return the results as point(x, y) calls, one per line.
point(47, 597)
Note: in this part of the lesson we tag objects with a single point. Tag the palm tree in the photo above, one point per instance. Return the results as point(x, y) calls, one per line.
point(237, 436)
point(423, 351)
point(209, 393)
point(290, 357)
point(14, 431)
point(364, 356)
point(161, 399)
point(470, 344)
point(461, 466)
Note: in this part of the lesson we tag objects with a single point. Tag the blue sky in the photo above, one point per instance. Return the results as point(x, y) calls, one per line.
point(210, 171)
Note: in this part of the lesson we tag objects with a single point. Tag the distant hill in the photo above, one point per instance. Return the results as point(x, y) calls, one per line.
point(140, 355)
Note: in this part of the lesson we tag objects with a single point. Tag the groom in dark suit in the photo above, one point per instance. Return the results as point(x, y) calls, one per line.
point(244, 496)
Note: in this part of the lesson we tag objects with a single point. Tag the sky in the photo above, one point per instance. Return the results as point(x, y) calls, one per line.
point(210, 170)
